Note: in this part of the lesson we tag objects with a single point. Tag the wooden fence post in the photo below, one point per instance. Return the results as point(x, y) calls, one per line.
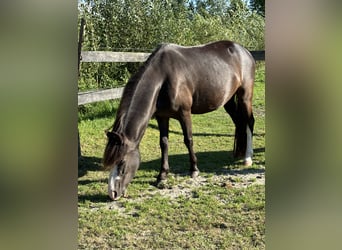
point(80, 40)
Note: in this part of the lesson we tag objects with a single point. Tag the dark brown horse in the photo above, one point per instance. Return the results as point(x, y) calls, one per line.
point(176, 82)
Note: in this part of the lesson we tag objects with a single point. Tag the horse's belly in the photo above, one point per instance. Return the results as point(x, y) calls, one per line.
point(205, 105)
point(212, 97)
point(200, 110)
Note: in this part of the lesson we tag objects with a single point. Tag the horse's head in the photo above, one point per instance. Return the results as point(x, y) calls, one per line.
point(122, 161)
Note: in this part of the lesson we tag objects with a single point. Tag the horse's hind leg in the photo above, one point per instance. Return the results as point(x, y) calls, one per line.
point(239, 107)
point(163, 124)
point(246, 120)
point(185, 121)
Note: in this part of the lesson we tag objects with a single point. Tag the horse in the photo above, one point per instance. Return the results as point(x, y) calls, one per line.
point(175, 82)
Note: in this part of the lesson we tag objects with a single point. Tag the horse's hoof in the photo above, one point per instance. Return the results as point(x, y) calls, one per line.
point(125, 194)
point(248, 162)
point(194, 174)
point(161, 184)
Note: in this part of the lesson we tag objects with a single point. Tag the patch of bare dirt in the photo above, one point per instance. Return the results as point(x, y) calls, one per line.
point(233, 179)
point(178, 186)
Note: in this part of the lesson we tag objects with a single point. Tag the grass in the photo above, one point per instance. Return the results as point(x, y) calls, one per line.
point(204, 215)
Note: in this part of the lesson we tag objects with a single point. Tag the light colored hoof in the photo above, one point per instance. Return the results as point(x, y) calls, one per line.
point(194, 174)
point(248, 162)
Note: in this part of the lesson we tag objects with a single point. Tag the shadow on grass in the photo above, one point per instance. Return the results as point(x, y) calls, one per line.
point(216, 162)
point(86, 163)
point(208, 162)
point(95, 198)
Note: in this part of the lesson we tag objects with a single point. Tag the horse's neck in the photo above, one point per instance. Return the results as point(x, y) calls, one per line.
point(142, 106)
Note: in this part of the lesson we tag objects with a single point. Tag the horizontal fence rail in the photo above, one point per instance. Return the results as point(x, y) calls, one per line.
point(108, 56)
point(99, 95)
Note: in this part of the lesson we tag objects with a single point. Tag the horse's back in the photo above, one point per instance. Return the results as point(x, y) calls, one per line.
point(199, 60)
point(203, 77)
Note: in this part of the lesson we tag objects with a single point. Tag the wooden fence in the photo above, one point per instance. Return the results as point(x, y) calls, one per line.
point(116, 93)
point(107, 56)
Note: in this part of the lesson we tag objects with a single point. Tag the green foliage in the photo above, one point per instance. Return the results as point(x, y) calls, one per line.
point(140, 26)
point(258, 6)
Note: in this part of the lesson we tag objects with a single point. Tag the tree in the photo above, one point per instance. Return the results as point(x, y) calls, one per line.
point(258, 6)
point(131, 25)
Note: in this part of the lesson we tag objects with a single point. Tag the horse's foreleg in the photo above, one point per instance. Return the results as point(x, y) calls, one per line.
point(185, 121)
point(163, 124)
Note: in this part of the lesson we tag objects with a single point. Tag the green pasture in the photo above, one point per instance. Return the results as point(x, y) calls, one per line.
point(215, 213)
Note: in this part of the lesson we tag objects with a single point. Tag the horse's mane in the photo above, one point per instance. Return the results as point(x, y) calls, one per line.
point(115, 148)
point(129, 91)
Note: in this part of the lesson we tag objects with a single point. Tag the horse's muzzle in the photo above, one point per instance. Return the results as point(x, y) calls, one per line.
point(113, 195)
